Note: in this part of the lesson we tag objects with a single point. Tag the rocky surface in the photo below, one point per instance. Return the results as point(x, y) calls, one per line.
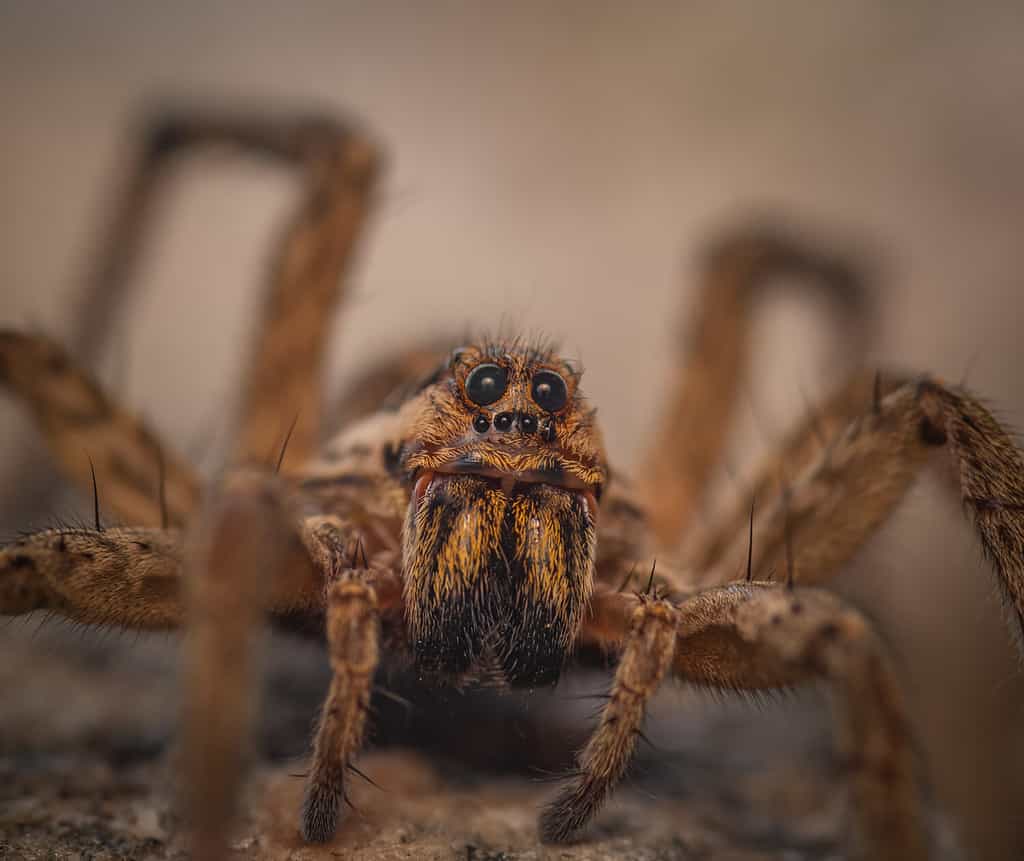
point(87, 751)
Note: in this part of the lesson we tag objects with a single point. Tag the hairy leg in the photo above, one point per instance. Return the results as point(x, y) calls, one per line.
point(805, 445)
point(247, 553)
point(646, 657)
point(353, 644)
point(356, 595)
point(840, 499)
point(128, 577)
point(757, 637)
point(140, 479)
point(337, 166)
point(165, 137)
point(692, 429)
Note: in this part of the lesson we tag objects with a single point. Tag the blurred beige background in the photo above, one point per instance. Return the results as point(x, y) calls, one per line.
point(558, 167)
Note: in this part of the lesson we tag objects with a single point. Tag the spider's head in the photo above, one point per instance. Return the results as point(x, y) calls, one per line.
point(506, 468)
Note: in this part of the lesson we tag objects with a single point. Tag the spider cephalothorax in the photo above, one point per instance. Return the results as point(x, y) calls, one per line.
point(506, 467)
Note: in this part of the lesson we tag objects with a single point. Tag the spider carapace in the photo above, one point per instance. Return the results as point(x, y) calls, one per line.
point(473, 524)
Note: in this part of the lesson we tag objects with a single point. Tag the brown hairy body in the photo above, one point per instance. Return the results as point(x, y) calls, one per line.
point(472, 524)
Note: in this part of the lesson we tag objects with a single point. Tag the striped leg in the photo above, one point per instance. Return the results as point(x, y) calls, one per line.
point(141, 479)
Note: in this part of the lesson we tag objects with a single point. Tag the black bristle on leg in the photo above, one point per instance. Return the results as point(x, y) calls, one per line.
point(95, 497)
point(321, 812)
point(750, 544)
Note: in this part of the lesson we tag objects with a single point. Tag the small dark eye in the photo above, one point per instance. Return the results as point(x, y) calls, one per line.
point(481, 424)
point(486, 383)
point(549, 391)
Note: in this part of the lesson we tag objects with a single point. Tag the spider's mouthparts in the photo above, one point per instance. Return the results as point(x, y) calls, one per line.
point(495, 587)
point(508, 482)
point(419, 489)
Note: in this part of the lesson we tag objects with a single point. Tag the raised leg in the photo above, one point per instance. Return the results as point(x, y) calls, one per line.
point(284, 386)
point(693, 427)
point(836, 502)
point(284, 383)
point(96, 307)
point(141, 480)
point(337, 166)
point(804, 446)
point(753, 637)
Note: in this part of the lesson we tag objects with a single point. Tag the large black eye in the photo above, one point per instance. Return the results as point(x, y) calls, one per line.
point(549, 391)
point(486, 383)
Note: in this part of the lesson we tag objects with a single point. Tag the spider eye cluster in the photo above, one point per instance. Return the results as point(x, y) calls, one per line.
point(487, 383)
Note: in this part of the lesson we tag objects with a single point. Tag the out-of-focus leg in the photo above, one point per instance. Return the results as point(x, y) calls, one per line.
point(283, 390)
point(245, 555)
point(806, 445)
point(700, 398)
point(141, 480)
point(389, 381)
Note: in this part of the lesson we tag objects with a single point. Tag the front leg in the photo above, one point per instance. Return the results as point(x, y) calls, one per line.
point(766, 636)
point(356, 595)
point(646, 658)
point(353, 637)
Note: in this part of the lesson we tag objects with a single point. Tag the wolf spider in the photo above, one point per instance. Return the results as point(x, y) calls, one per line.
point(472, 524)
